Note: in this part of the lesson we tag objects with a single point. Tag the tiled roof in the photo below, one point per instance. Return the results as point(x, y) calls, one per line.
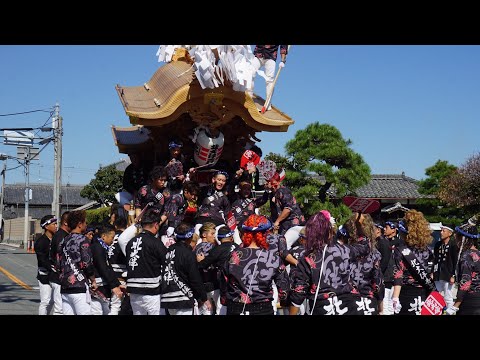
point(42, 194)
point(390, 187)
point(131, 138)
point(89, 205)
point(132, 135)
point(120, 165)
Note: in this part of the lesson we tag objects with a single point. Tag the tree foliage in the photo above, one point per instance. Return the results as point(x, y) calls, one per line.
point(436, 210)
point(462, 187)
point(316, 151)
point(107, 182)
point(435, 175)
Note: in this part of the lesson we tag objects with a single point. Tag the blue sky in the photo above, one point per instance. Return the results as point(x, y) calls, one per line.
point(404, 107)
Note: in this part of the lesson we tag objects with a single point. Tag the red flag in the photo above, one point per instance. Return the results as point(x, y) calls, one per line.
point(363, 205)
point(231, 222)
point(433, 304)
point(249, 156)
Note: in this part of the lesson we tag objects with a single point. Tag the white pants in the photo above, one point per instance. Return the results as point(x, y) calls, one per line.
point(115, 304)
point(446, 289)
point(275, 298)
point(46, 298)
point(76, 304)
point(387, 302)
point(220, 309)
point(180, 311)
point(303, 308)
point(214, 295)
point(286, 310)
point(99, 307)
point(269, 66)
point(145, 304)
point(57, 298)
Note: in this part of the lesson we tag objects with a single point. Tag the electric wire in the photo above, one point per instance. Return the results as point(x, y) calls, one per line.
point(26, 112)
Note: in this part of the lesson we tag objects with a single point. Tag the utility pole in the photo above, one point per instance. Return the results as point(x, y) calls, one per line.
point(57, 171)
point(27, 195)
point(2, 196)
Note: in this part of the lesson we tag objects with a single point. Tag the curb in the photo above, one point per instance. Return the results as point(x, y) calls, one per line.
point(10, 245)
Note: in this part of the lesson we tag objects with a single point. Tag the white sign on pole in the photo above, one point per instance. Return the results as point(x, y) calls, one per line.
point(30, 193)
point(22, 153)
point(15, 137)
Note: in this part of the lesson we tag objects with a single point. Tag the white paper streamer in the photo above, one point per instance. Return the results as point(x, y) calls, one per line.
point(234, 63)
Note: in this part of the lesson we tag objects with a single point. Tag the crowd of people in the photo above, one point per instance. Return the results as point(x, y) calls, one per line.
point(195, 243)
point(188, 249)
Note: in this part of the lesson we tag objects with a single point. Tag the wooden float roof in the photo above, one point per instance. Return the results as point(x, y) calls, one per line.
point(173, 91)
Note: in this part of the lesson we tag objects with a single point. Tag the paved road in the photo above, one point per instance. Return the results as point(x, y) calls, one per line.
point(19, 293)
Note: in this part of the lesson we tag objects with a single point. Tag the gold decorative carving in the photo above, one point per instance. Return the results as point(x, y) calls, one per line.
point(182, 54)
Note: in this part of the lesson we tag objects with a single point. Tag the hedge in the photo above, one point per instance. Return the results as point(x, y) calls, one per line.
point(97, 215)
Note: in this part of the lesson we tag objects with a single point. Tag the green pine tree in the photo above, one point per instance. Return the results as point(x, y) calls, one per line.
point(107, 182)
point(322, 168)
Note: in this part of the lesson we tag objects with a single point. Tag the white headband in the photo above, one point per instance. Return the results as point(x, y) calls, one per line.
point(446, 227)
point(48, 222)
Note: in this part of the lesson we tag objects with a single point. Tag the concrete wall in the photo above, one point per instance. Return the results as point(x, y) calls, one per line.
point(13, 232)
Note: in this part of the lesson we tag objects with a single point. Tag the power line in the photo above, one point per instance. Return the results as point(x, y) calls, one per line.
point(39, 128)
point(17, 129)
point(20, 160)
point(26, 112)
point(16, 167)
point(51, 112)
